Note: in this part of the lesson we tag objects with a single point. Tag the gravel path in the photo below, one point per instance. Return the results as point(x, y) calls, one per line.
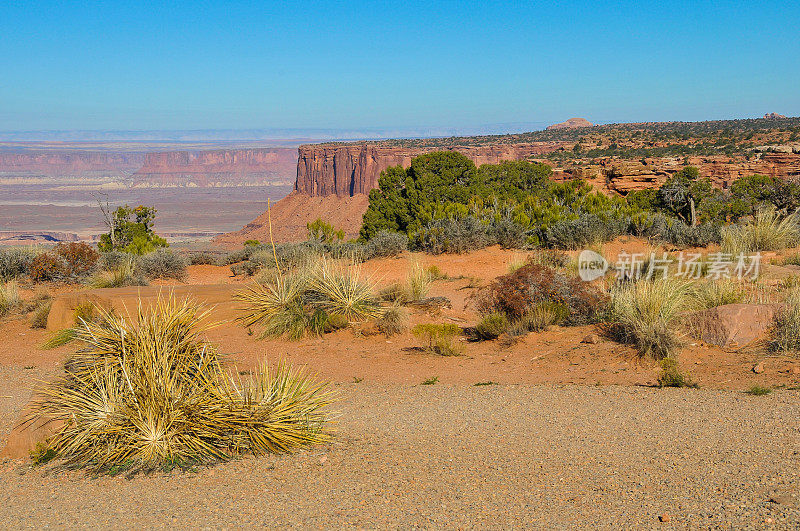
point(495, 456)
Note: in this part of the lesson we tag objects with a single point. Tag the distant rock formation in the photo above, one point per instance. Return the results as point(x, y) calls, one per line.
point(572, 123)
point(214, 168)
point(346, 170)
point(773, 116)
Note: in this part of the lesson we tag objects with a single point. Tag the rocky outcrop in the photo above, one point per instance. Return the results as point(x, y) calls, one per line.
point(624, 176)
point(346, 170)
point(773, 116)
point(214, 168)
point(572, 123)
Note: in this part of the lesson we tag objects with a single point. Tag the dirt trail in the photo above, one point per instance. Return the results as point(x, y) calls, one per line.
point(458, 456)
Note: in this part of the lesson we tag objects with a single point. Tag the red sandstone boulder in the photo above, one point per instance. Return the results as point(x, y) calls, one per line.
point(732, 325)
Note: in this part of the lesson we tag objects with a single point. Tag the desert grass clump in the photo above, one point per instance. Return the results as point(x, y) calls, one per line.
point(9, 297)
point(543, 315)
point(492, 326)
point(394, 321)
point(162, 264)
point(713, 293)
point(645, 313)
point(117, 275)
point(672, 376)
point(785, 333)
point(757, 390)
point(151, 392)
point(767, 231)
point(41, 311)
point(418, 282)
point(441, 339)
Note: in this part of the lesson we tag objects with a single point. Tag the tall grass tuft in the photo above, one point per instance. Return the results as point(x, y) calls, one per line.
point(785, 333)
point(151, 392)
point(119, 275)
point(9, 297)
point(713, 293)
point(645, 313)
point(418, 281)
point(768, 231)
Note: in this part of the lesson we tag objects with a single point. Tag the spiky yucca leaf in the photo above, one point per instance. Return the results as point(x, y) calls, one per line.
point(342, 291)
point(150, 392)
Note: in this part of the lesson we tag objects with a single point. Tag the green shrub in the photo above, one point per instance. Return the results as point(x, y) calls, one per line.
point(385, 244)
point(757, 390)
point(587, 230)
point(440, 339)
point(492, 326)
point(645, 313)
point(452, 236)
point(162, 264)
point(671, 375)
point(121, 274)
point(173, 402)
point(203, 258)
point(335, 322)
point(15, 262)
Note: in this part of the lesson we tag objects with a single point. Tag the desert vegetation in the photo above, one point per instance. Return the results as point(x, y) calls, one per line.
point(153, 393)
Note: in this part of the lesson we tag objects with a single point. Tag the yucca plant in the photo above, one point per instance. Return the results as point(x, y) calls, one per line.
point(151, 392)
point(341, 290)
point(645, 313)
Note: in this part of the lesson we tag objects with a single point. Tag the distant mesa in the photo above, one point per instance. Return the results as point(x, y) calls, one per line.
point(773, 116)
point(572, 123)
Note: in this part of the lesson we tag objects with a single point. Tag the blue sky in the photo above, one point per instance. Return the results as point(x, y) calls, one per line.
point(219, 65)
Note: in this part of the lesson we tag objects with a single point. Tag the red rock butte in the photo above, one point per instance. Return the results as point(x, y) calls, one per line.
point(333, 179)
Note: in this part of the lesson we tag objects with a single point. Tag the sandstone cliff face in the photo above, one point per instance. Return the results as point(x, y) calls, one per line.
point(67, 163)
point(624, 176)
point(346, 170)
point(236, 167)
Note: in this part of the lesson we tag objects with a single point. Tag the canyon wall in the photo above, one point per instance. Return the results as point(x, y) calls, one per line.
point(623, 176)
point(62, 163)
point(345, 170)
point(217, 168)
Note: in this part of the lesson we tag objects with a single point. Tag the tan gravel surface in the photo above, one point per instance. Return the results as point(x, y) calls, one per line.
point(458, 456)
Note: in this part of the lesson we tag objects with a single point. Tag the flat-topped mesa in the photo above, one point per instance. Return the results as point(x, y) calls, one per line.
point(229, 167)
point(345, 170)
point(572, 123)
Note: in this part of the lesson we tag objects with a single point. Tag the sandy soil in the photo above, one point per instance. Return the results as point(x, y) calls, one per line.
point(568, 433)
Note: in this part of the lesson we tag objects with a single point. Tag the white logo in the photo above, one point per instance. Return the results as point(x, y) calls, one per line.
point(591, 265)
